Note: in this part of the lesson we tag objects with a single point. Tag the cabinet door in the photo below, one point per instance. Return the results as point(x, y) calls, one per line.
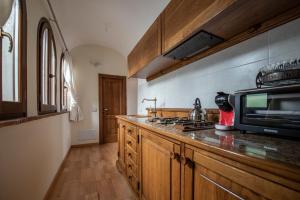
point(147, 49)
point(207, 188)
point(160, 168)
point(200, 183)
point(182, 18)
point(121, 144)
point(213, 177)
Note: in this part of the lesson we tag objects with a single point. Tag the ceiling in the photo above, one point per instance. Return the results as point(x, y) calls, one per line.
point(116, 24)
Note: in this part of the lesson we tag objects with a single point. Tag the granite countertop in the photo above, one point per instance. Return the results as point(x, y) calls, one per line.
point(257, 146)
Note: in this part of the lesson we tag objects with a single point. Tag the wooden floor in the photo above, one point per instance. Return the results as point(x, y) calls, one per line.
point(90, 173)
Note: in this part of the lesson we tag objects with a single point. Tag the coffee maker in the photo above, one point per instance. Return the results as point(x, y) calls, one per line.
point(225, 103)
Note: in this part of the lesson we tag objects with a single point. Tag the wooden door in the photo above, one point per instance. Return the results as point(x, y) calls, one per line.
point(112, 102)
point(160, 168)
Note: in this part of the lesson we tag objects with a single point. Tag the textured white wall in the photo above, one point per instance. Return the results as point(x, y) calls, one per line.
point(86, 79)
point(229, 70)
point(31, 153)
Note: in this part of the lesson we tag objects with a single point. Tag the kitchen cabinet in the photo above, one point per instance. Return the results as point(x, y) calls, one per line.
point(128, 153)
point(182, 18)
point(160, 168)
point(210, 177)
point(121, 143)
point(147, 49)
point(233, 21)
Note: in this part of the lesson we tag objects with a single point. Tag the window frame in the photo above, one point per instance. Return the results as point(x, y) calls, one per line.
point(12, 110)
point(62, 83)
point(46, 108)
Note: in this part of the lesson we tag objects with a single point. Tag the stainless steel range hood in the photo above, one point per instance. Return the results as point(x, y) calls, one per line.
point(199, 42)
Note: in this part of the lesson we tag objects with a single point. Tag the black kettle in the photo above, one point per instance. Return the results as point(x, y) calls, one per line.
point(197, 114)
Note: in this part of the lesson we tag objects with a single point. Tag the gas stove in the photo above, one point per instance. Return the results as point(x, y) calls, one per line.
point(184, 124)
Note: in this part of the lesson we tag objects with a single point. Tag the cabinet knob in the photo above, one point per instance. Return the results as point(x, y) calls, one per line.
point(129, 142)
point(129, 155)
point(175, 156)
point(187, 161)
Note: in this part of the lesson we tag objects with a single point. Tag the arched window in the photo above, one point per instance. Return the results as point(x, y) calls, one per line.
point(46, 68)
point(13, 64)
point(63, 83)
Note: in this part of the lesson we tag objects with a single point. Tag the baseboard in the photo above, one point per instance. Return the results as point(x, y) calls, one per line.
point(84, 145)
point(55, 179)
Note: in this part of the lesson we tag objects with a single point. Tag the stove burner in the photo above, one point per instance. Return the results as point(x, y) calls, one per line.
point(185, 124)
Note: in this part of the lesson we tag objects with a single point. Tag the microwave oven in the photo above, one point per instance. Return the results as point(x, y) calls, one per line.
point(274, 110)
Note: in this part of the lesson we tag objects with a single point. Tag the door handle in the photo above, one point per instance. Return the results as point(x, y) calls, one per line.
point(105, 109)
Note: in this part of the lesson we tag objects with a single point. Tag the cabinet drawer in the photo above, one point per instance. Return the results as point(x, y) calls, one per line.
point(131, 142)
point(240, 179)
point(132, 167)
point(131, 155)
point(131, 131)
point(132, 181)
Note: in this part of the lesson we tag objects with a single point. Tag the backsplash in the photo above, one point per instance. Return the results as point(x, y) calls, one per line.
point(230, 70)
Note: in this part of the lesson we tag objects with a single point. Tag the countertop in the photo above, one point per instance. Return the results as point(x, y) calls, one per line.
point(260, 148)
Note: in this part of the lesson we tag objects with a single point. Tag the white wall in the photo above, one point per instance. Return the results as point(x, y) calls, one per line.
point(86, 80)
point(31, 153)
point(229, 70)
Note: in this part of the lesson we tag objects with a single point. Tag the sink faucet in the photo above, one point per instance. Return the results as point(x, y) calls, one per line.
point(154, 99)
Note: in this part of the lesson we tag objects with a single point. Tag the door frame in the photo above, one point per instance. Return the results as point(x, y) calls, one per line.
point(100, 95)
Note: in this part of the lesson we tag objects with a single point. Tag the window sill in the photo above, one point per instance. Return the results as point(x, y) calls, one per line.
point(22, 120)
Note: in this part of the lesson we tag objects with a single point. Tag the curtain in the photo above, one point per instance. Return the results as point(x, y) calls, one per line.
point(73, 106)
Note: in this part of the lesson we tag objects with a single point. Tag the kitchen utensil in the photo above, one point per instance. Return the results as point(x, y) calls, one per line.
point(197, 114)
point(282, 73)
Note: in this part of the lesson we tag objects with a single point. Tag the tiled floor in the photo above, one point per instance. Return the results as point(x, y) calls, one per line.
point(90, 173)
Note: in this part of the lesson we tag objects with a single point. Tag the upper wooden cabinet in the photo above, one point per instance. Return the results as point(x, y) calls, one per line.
point(182, 18)
point(147, 49)
point(232, 20)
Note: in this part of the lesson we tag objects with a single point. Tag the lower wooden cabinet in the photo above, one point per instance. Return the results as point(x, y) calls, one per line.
point(160, 168)
point(207, 176)
point(128, 153)
point(121, 144)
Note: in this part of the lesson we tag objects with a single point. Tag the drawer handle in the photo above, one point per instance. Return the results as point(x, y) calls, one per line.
point(123, 126)
point(129, 143)
point(220, 186)
point(129, 166)
point(129, 155)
